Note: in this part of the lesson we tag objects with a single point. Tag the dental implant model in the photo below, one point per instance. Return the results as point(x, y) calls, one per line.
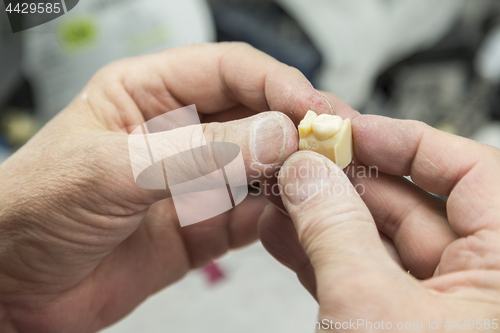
point(327, 135)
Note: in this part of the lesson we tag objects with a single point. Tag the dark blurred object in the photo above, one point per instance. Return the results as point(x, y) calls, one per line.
point(22, 96)
point(440, 86)
point(10, 59)
point(17, 124)
point(495, 104)
point(270, 29)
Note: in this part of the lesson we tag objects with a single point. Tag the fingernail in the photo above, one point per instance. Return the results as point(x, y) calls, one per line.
point(303, 175)
point(329, 103)
point(282, 211)
point(272, 206)
point(268, 206)
point(268, 139)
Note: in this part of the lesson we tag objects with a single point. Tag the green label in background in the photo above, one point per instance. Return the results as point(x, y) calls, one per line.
point(77, 34)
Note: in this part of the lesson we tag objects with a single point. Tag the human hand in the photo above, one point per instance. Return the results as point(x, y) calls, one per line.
point(80, 246)
point(352, 251)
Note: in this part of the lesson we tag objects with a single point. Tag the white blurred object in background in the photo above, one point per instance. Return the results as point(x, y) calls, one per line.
point(488, 57)
point(62, 55)
point(489, 134)
point(487, 64)
point(360, 38)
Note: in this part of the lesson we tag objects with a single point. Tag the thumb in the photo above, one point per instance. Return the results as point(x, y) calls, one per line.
point(335, 229)
point(331, 220)
point(258, 146)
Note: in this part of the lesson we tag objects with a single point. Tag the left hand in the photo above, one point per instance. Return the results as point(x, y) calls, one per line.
point(81, 244)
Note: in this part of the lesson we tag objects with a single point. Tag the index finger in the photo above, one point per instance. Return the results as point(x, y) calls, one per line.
point(217, 77)
point(234, 73)
point(435, 160)
point(438, 162)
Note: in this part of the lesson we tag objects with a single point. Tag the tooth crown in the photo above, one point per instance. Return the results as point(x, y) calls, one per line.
point(328, 135)
point(326, 125)
point(305, 126)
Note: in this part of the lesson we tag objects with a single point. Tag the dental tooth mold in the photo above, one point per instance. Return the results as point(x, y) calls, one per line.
point(327, 135)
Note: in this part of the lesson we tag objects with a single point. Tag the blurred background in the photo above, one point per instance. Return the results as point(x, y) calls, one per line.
point(437, 61)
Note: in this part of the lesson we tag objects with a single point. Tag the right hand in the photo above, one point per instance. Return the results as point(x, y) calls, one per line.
point(352, 252)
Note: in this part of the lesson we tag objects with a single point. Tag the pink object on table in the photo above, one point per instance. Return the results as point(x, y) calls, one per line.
point(213, 273)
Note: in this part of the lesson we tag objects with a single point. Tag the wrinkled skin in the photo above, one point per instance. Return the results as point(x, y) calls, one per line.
point(81, 245)
point(353, 252)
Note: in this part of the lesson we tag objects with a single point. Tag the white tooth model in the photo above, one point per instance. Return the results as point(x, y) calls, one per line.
point(327, 135)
